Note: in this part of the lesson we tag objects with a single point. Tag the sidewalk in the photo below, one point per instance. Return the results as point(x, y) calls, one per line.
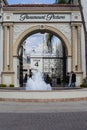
point(43, 96)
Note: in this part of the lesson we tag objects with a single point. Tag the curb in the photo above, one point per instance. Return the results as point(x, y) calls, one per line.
point(44, 100)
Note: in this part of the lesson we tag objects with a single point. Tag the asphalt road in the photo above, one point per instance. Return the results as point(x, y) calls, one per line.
point(44, 121)
point(43, 116)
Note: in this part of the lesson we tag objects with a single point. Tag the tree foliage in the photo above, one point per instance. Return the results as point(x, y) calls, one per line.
point(64, 1)
point(50, 35)
point(49, 41)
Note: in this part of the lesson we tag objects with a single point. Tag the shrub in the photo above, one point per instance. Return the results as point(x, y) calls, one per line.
point(84, 81)
point(3, 85)
point(83, 85)
point(11, 85)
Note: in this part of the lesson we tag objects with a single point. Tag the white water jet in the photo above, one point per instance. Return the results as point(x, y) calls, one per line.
point(36, 82)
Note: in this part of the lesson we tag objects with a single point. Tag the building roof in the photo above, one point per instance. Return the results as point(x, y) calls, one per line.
point(41, 7)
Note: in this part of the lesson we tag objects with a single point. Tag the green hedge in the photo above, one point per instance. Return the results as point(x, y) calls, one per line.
point(3, 85)
point(83, 85)
point(11, 85)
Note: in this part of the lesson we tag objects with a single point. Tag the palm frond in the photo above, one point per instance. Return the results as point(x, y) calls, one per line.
point(49, 41)
point(64, 1)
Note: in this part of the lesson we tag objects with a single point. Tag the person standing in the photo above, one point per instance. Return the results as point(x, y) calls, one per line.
point(30, 73)
point(73, 79)
point(67, 79)
point(48, 80)
point(25, 78)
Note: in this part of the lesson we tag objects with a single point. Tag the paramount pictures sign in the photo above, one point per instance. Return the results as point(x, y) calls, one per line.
point(50, 17)
point(41, 17)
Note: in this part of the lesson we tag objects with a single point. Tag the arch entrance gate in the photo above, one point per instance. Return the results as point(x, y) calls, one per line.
point(17, 22)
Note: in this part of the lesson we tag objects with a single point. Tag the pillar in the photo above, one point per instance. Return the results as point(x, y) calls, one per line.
point(73, 47)
point(5, 49)
point(79, 60)
point(11, 48)
point(76, 52)
point(8, 74)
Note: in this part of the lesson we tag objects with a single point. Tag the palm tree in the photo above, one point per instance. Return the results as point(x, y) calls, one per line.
point(64, 1)
point(70, 1)
point(49, 41)
point(50, 35)
point(61, 1)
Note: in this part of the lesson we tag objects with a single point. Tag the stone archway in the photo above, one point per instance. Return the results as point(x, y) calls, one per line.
point(21, 21)
point(42, 29)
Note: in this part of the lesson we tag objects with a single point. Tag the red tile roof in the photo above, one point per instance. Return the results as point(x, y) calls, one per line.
point(42, 5)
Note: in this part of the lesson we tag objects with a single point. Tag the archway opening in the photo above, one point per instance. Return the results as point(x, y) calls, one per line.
point(44, 52)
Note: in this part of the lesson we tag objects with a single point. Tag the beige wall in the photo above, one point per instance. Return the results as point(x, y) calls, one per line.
point(69, 30)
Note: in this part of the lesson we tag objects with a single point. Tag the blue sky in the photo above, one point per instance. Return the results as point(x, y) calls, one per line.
point(31, 1)
point(36, 42)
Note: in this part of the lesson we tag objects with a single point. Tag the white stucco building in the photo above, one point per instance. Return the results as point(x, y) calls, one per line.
point(84, 11)
point(83, 8)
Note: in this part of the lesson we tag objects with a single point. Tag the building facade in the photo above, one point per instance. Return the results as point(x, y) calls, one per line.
point(17, 22)
point(83, 9)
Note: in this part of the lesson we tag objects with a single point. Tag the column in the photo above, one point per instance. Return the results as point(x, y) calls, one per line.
point(11, 47)
point(69, 64)
point(5, 49)
point(73, 47)
point(8, 74)
point(79, 48)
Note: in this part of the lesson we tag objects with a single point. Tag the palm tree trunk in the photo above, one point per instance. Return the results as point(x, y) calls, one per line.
point(49, 42)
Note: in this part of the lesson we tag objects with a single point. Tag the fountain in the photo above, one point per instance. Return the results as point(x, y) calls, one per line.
point(36, 82)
